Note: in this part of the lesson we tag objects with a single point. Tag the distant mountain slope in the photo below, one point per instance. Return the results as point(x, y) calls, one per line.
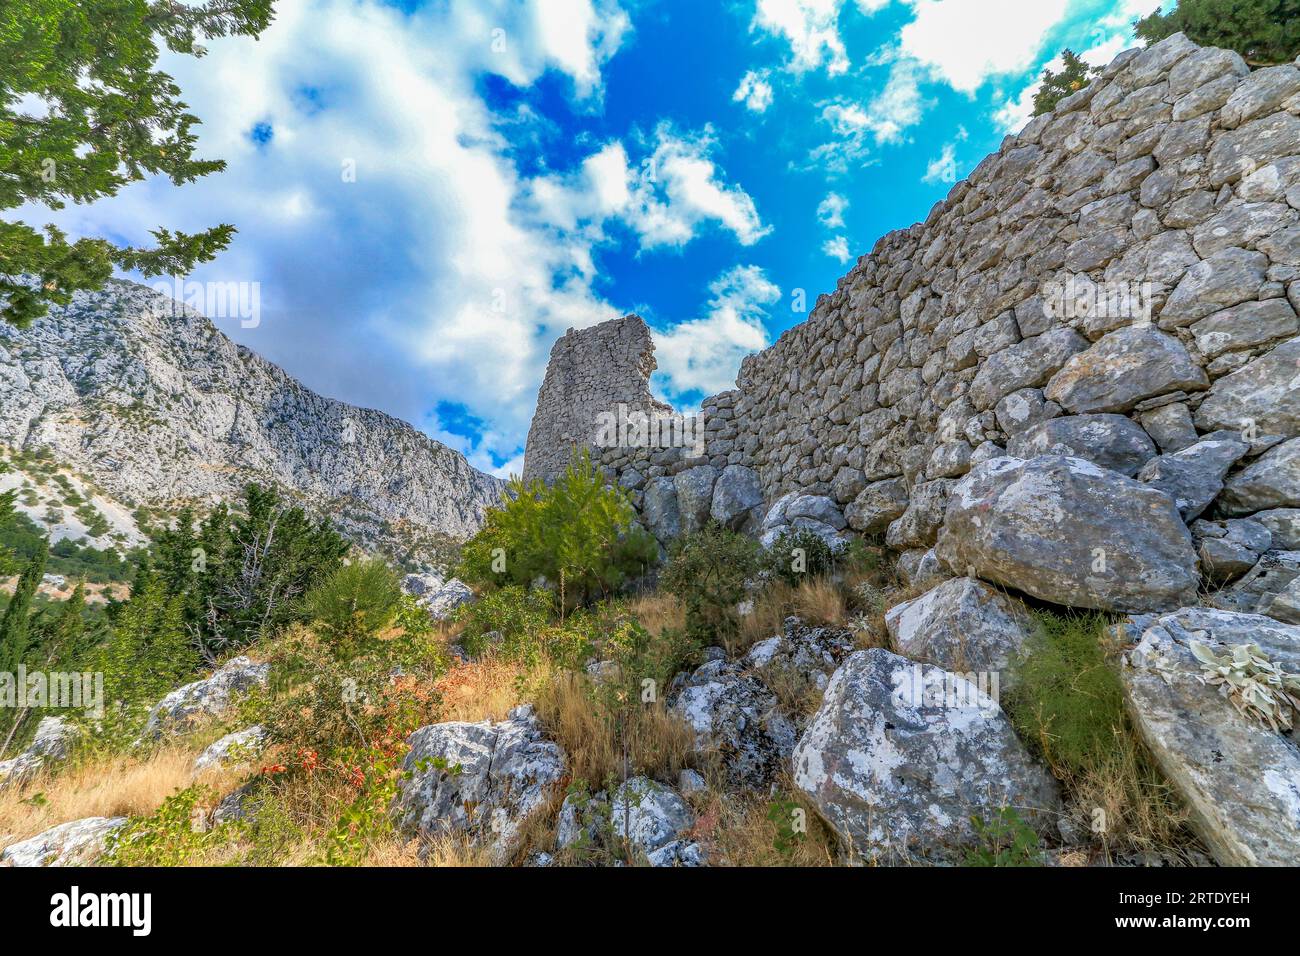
point(160, 408)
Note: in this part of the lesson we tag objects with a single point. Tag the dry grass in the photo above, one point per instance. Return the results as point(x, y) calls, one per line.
point(119, 785)
point(485, 689)
point(819, 601)
point(658, 612)
point(604, 744)
point(739, 830)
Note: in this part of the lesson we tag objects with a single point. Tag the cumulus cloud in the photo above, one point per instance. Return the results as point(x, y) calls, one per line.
point(703, 355)
point(811, 27)
point(964, 43)
point(943, 168)
point(881, 120)
point(830, 211)
point(837, 247)
point(754, 91)
point(404, 259)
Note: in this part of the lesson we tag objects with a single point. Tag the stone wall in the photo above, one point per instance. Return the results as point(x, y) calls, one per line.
point(1117, 283)
point(591, 371)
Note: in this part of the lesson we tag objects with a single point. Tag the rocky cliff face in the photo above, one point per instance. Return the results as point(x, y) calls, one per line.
point(158, 407)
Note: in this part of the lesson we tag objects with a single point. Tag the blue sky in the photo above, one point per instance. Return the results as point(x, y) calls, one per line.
point(430, 193)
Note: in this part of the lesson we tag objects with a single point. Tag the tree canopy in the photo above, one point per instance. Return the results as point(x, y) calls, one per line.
point(1264, 32)
point(1072, 77)
point(83, 112)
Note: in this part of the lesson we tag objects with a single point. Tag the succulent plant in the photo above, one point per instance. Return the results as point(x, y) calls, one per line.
point(1257, 687)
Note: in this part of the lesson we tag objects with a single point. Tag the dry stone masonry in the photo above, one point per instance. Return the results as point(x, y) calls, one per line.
point(1076, 383)
point(1100, 321)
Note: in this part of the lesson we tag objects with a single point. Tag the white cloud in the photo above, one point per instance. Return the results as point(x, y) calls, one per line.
point(837, 248)
point(811, 28)
point(703, 355)
point(830, 211)
point(883, 119)
point(427, 264)
point(666, 199)
point(754, 91)
point(942, 169)
point(965, 42)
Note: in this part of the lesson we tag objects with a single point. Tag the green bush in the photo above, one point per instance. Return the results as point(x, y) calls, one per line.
point(708, 570)
point(1264, 32)
point(354, 604)
point(800, 554)
point(519, 615)
point(579, 534)
point(1067, 698)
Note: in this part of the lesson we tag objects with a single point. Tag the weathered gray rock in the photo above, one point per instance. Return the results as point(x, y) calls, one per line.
point(1170, 425)
point(1228, 549)
point(1123, 368)
point(1261, 141)
point(919, 524)
point(1112, 441)
point(737, 498)
point(506, 771)
point(1264, 395)
point(920, 567)
point(695, 496)
point(1069, 532)
point(1244, 326)
point(1271, 587)
point(817, 508)
point(233, 749)
point(1023, 408)
point(1240, 225)
point(52, 743)
point(660, 511)
point(877, 505)
point(1241, 780)
point(807, 651)
point(643, 816)
point(1194, 476)
point(78, 843)
point(1026, 365)
point(1271, 481)
point(962, 625)
point(194, 704)
point(736, 719)
point(900, 755)
point(1227, 278)
point(442, 601)
point(1284, 526)
point(1260, 93)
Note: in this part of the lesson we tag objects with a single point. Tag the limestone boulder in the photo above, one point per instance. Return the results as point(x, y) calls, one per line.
point(737, 498)
point(1066, 531)
point(1111, 441)
point(483, 778)
point(193, 705)
point(1271, 481)
point(1122, 368)
point(77, 843)
point(1239, 778)
point(962, 625)
point(901, 755)
point(880, 503)
point(1194, 476)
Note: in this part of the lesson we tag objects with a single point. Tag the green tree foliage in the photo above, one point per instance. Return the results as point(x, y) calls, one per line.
point(1264, 32)
point(6, 518)
point(708, 571)
point(16, 624)
point(109, 118)
point(1056, 86)
point(244, 576)
point(148, 652)
point(354, 604)
point(579, 534)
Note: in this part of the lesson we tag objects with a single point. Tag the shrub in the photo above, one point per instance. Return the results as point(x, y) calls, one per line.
point(800, 554)
point(1068, 704)
point(516, 614)
point(354, 604)
point(708, 570)
point(1264, 32)
point(579, 534)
